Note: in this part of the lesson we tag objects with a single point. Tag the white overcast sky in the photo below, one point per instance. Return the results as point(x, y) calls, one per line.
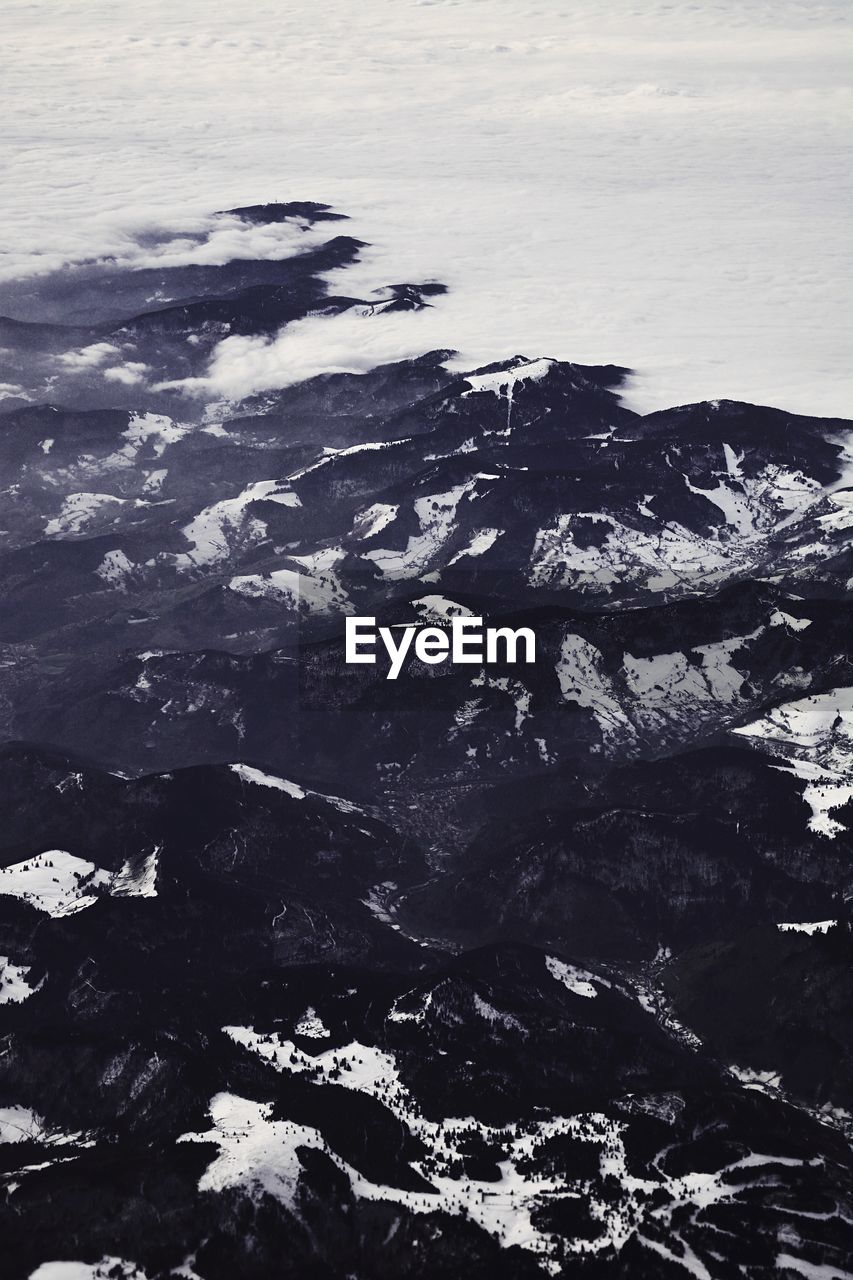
point(663, 185)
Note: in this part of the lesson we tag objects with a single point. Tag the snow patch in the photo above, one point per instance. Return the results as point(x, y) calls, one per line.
point(108, 1268)
point(115, 569)
point(438, 609)
point(519, 693)
point(311, 1025)
point(21, 1124)
point(480, 543)
point(155, 430)
point(224, 527)
point(761, 1081)
point(436, 515)
point(807, 926)
point(154, 480)
point(55, 882)
point(137, 877)
point(583, 681)
point(374, 519)
point(314, 588)
point(666, 680)
point(578, 981)
point(78, 511)
point(14, 988)
point(815, 736)
point(261, 779)
point(506, 380)
point(779, 618)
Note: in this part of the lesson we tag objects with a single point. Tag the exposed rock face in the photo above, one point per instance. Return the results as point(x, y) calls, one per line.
point(493, 971)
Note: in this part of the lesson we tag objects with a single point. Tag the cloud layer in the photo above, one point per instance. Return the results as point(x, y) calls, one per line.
point(663, 186)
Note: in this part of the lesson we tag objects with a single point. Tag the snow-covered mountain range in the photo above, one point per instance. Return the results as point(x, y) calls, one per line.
point(496, 972)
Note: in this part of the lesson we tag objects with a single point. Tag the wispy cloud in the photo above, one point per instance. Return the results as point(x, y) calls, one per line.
point(353, 341)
